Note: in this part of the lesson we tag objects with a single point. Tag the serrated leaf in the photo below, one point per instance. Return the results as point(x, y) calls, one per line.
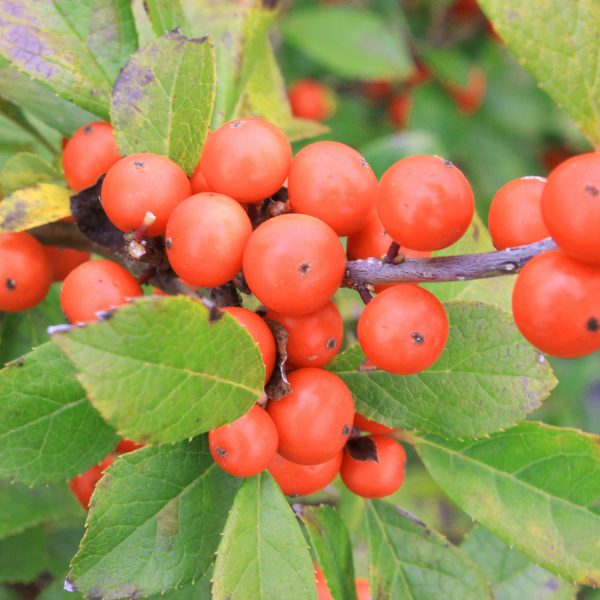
point(535, 486)
point(33, 206)
point(76, 49)
point(20, 332)
point(48, 429)
point(22, 507)
point(331, 544)
point(163, 99)
point(488, 378)
point(407, 559)
point(161, 371)
point(350, 42)
point(512, 575)
point(558, 43)
point(154, 522)
point(22, 556)
point(263, 553)
point(25, 169)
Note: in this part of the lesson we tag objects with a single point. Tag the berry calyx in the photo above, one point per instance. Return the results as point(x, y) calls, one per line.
point(403, 330)
point(313, 339)
point(294, 264)
point(261, 333)
point(425, 202)
point(247, 159)
point(315, 419)
point(333, 182)
point(205, 239)
point(96, 286)
point(246, 446)
point(89, 153)
point(25, 272)
point(556, 304)
point(141, 191)
point(377, 473)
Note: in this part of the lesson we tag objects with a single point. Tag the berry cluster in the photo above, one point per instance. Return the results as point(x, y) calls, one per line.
point(294, 262)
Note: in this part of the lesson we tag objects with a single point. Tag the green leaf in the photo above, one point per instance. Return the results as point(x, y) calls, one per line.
point(560, 48)
point(24, 170)
point(331, 544)
point(76, 49)
point(512, 575)
point(535, 486)
point(166, 15)
point(48, 429)
point(22, 556)
point(21, 332)
point(409, 560)
point(34, 206)
point(163, 99)
point(350, 42)
point(488, 378)
point(263, 553)
point(22, 507)
point(161, 370)
point(154, 523)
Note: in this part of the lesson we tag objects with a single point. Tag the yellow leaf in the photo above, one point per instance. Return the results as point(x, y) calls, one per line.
point(34, 206)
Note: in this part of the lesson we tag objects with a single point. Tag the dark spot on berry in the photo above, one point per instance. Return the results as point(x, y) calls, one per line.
point(11, 284)
point(330, 343)
point(593, 324)
point(88, 130)
point(304, 268)
point(235, 124)
point(418, 338)
point(139, 164)
point(169, 243)
point(448, 163)
point(221, 452)
point(346, 429)
point(592, 190)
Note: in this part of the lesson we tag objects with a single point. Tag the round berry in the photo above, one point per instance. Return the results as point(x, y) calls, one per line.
point(205, 239)
point(399, 109)
point(556, 304)
point(301, 480)
point(313, 339)
point(96, 286)
point(64, 260)
point(125, 446)
point(373, 466)
point(315, 419)
point(310, 99)
point(571, 207)
point(425, 202)
point(140, 184)
point(403, 330)
point(323, 592)
point(333, 182)
point(25, 272)
point(261, 333)
point(247, 446)
point(247, 159)
point(469, 97)
point(198, 181)
point(89, 153)
point(515, 216)
point(83, 485)
point(365, 424)
point(294, 264)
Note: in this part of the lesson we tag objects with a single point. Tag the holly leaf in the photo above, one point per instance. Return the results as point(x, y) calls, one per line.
point(24, 170)
point(154, 523)
point(22, 508)
point(48, 429)
point(488, 378)
point(407, 559)
point(559, 45)
point(160, 370)
point(535, 486)
point(163, 99)
point(350, 42)
point(263, 553)
point(34, 206)
point(331, 544)
point(512, 575)
point(75, 50)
